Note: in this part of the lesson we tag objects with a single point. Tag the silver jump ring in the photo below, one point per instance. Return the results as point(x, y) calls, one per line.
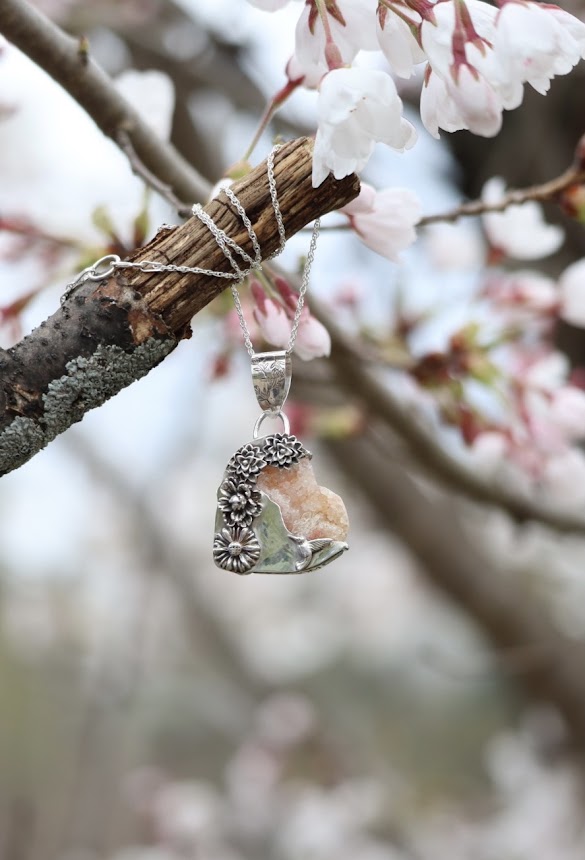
point(262, 418)
point(103, 268)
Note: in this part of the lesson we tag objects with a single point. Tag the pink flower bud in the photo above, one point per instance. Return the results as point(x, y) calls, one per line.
point(313, 339)
point(384, 220)
point(271, 318)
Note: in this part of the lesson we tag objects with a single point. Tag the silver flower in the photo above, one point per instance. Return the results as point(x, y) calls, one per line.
point(282, 450)
point(246, 464)
point(236, 548)
point(239, 501)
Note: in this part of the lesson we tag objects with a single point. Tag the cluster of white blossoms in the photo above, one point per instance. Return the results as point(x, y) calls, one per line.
point(477, 59)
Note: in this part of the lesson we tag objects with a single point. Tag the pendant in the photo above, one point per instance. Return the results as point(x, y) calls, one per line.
point(272, 516)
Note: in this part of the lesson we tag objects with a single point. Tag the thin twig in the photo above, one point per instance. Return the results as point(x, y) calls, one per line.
point(140, 169)
point(574, 175)
point(58, 55)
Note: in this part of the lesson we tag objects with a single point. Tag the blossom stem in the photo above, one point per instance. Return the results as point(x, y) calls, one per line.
point(332, 53)
point(322, 10)
point(273, 105)
point(414, 28)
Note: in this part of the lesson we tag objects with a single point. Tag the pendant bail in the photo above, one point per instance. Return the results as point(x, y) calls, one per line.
point(271, 377)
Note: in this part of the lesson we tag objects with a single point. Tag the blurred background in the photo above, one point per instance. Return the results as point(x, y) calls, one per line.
point(421, 699)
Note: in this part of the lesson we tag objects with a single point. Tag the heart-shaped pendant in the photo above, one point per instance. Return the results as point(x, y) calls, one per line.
point(272, 516)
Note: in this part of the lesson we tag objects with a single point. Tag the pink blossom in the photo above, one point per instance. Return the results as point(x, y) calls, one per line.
point(520, 231)
point(385, 220)
point(275, 322)
point(357, 108)
point(313, 340)
point(523, 291)
point(481, 57)
point(460, 88)
point(478, 104)
point(397, 41)
point(271, 318)
point(437, 108)
point(353, 31)
point(535, 42)
point(572, 288)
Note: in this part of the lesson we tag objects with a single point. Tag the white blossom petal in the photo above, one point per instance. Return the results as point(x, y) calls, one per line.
point(520, 231)
point(398, 43)
point(357, 108)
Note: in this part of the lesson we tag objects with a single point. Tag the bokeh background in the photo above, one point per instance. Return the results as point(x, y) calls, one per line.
point(421, 699)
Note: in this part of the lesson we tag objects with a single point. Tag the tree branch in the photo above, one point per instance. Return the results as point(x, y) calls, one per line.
point(574, 175)
point(59, 55)
point(105, 336)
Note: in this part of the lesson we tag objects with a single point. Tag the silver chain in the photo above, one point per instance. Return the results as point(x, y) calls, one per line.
point(104, 267)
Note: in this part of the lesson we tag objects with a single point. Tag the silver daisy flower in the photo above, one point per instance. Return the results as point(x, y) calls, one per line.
point(282, 450)
point(239, 501)
point(236, 548)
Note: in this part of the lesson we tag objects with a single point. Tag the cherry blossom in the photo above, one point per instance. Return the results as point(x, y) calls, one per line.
point(313, 340)
point(275, 322)
point(535, 42)
point(470, 102)
point(520, 231)
point(463, 82)
point(523, 293)
point(448, 36)
point(480, 58)
point(385, 220)
point(397, 41)
point(357, 108)
point(271, 317)
point(352, 26)
point(572, 289)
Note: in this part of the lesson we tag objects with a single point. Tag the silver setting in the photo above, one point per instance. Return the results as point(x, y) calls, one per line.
point(271, 377)
point(260, 421)
point(250, 534)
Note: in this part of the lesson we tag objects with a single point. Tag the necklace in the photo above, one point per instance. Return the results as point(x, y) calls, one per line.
point(271, 517)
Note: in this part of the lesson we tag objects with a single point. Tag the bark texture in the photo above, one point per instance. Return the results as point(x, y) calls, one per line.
point(107, 335)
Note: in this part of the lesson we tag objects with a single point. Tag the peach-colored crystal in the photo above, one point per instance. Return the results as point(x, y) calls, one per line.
point(307, 509)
